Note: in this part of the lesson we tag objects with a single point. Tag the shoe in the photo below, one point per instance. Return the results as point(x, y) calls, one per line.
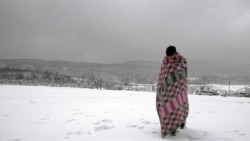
point(174, 133)
point(183, 125)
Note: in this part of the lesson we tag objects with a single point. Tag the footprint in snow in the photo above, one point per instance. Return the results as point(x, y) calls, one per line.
point(66, 138)
point(37, 123)
point(242, 134)
point(16, 140)
point(132, 126)
point(78, 133)
point(79, 113)
point(224, 139)
point(45, 118)
point(204, 133)
point(103, 121)
point(235, 132)
point(141, 127)
point(71, 120)
point(90, 116)
point(32, 101)
point(104, 125)
point(146, 122)
point(7, 115)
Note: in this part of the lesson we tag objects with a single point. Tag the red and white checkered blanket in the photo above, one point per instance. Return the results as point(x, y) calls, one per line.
point(172, 100)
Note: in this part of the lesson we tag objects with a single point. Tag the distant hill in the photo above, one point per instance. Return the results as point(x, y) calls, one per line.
point(139, 71)
point(214, 67)
point(134, 71)
point(213, 71)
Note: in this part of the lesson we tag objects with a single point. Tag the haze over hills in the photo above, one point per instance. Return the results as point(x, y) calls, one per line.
point(205, 71)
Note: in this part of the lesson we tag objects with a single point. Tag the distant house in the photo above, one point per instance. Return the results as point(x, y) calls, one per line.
point(243, 92)
point(141, 87)
point(247, 89)
point(202, 90)
point(206, 88)
point(192, 89)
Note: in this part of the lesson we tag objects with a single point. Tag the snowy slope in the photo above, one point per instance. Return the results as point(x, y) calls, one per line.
point(70, 114)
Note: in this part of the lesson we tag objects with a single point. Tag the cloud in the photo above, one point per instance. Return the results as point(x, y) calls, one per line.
point(121, 30)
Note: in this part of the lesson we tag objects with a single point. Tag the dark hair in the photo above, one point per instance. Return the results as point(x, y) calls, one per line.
point(171, 50)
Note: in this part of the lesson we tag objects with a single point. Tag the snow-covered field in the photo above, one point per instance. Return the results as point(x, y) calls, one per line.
point(70, 114)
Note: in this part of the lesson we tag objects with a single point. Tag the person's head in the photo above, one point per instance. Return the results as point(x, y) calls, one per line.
point(171, 51)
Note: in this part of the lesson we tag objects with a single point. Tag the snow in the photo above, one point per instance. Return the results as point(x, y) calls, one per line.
point(30, 113)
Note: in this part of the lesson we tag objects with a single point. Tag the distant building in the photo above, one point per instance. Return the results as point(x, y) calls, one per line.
point(202, 90)
point(243, 92)
point(192, 89)
point(247, 89)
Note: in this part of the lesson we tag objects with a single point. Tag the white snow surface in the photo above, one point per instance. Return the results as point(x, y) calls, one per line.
point(29, 113)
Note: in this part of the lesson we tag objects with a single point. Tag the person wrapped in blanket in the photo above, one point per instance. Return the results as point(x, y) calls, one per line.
point(172, 99)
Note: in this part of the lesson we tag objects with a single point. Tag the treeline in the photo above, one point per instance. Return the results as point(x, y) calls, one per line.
point(224, 80)
point(17, 76)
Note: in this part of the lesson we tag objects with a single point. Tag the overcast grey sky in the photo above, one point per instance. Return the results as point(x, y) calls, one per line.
point(113, 31)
